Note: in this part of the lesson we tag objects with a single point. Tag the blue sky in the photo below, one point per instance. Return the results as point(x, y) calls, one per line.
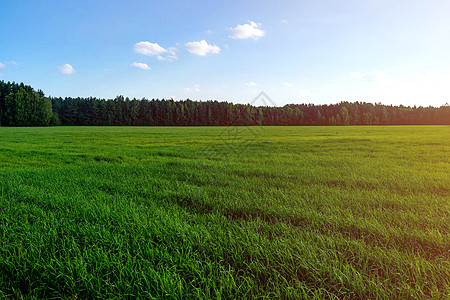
point(394, 52)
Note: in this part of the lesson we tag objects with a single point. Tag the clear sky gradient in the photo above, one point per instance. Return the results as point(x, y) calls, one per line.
point(393, 52)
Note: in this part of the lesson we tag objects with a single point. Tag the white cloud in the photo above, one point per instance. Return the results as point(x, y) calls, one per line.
point(305, 93)
point(372, 76)
point(288, 84)
point(3, 65)
point(66, 69)
point(149, 49)
point(141, 66)
point(250, 84)
point(196, 88)
point(171, 54)
point(201, 48)
point(247, 31)
point(284, 21)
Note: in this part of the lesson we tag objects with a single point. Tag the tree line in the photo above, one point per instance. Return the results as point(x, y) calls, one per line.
point(21, 105)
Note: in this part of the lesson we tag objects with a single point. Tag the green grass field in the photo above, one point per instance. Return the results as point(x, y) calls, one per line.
point(225, 213)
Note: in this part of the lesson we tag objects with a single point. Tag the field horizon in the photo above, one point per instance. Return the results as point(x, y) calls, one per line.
point(359, 212)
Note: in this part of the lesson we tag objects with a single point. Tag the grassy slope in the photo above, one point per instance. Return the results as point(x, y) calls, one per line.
point(208, 212)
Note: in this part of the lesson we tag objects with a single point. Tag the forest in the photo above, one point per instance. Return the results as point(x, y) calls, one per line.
point(21, 105)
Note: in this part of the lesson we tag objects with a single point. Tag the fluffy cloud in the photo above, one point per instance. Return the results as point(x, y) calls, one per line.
point(288, 84)
point(170, 56)
point(2, 65)
point(66, 69)
point(250, 84)
point(152, 49)
point(141, 66)
point(247, 31)
point(172, 53)
point(201, 48)
point(148, 48)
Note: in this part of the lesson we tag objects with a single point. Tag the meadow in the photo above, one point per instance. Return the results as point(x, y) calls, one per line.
point(225, 213)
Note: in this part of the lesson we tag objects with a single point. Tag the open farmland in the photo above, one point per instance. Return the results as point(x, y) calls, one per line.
point(215, 212)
